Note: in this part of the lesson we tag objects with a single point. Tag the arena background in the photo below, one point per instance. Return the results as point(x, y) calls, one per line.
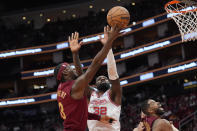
point(151, 59)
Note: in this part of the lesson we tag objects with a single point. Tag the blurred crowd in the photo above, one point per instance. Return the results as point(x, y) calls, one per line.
point(45, 117)
point(25, 35)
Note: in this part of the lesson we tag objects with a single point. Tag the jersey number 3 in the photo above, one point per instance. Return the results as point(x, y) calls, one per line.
point(61, 108)
point(100, 110)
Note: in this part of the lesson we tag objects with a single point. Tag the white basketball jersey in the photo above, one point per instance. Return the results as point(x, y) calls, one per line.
point(103, 106)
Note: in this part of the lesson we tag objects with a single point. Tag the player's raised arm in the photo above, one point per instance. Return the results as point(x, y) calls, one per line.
point(82, 82)
point(74, 47)
point(116, 90)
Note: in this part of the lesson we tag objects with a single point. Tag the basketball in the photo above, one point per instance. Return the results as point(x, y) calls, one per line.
point(119, 16)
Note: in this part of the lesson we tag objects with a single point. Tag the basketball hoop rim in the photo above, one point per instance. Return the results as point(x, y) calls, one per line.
point(173, 11)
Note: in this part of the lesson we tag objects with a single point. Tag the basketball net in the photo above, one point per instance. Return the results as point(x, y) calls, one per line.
point(184, 13)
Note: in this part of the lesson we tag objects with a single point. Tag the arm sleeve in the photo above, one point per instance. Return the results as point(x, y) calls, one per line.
point(111, 66)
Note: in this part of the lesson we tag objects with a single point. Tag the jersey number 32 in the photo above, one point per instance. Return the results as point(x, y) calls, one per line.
point(100, 110)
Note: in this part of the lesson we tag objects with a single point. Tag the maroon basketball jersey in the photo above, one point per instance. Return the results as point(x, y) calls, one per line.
point(148, 122)
point(73, 112)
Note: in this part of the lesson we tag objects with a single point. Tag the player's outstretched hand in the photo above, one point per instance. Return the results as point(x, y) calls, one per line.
point(105, 39)
point(107, 119)
point(73, 41)
point(110, 34)
point(141, 126)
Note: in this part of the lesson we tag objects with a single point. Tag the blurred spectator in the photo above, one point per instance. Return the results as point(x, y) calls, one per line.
point(24, 35)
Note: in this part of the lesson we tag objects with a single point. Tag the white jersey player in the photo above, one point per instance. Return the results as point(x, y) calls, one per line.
point(107, 101)
point(103, 105)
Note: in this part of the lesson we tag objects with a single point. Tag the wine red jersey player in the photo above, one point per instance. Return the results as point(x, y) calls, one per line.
point(64, 99)
point(74, 112)
point(72, 99)
point(151, 120)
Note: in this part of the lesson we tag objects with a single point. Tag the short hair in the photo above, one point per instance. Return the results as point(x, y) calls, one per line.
point(144, 107)
point(99, 77)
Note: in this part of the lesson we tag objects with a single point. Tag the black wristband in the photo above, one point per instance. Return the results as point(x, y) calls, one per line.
point(111, 120)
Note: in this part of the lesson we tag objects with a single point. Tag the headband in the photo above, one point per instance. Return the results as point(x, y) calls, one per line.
point(63, 66)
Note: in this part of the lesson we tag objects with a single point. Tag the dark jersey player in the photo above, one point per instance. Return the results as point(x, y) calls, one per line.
point(71, 94)
point(151, 120)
